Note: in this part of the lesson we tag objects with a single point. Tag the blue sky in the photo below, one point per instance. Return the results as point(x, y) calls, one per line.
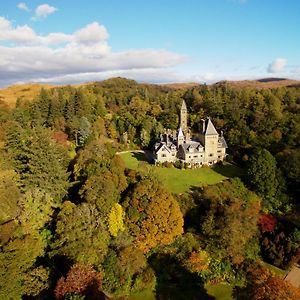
point(153, 41)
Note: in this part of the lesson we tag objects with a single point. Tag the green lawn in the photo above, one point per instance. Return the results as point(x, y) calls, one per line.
point(132, 159)
point(221, 291)
point(179, 181)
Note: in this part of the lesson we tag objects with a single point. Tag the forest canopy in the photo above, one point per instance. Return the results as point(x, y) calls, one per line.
point(76, 223)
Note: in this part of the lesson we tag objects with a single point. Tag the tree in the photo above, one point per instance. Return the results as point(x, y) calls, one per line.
point(40, 161)
point(263, 285)
point(18, 260)
point(153, 216)
point(84, 130)
point(230, 222)
point(116, 220)
point(289, 162)
point(80, 233)
point(80, 280)
point(261, 175)
point(126, 271)
point(9, 195)
point(37, 209)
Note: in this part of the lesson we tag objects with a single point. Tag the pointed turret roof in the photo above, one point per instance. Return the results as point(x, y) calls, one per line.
point(180, 133)
point(183, 105)
point(210, 128)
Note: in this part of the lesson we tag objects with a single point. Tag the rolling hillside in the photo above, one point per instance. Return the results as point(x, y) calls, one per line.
point(264, 83)
point(10, 94)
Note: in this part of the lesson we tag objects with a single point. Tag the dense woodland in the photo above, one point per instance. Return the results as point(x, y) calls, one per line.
point(76, 223)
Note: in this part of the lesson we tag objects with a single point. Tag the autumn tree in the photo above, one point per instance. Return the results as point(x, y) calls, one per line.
point(264, 285)
point(80, 280)
point(115, 220)
point(153, 216)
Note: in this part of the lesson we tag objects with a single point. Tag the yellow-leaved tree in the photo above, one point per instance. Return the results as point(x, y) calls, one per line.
point(116, 219)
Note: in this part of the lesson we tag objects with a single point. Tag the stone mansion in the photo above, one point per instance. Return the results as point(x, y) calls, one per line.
point(208, 148)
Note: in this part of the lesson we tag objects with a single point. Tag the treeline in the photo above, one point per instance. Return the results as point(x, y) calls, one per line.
point(74, 222)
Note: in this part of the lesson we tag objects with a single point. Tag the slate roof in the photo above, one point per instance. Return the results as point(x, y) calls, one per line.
point(210, 128)
point(196, 146)
point(222, 141)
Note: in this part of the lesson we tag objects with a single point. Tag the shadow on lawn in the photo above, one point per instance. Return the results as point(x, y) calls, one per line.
point(228, 170)
point(146, 157)
point(139, 156)
point(174, 282)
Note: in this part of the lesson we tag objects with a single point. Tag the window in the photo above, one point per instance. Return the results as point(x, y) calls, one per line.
point(163, 155)
point(189, 156)
point(195, 156)
point(211, 154)
point(173, 154)
point(219, 151)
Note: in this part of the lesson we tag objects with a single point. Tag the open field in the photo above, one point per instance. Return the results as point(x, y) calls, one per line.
point(179, 181)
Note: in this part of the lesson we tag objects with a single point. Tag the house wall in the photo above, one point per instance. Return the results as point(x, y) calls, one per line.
point(211, 148)
point(165, 156)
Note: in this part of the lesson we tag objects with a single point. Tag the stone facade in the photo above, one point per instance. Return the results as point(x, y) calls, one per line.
point(207, 149)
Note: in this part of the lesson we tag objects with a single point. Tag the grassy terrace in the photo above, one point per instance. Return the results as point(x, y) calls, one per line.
point(179, 181)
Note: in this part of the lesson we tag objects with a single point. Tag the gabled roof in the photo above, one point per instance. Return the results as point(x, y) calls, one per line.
point(163, 146)
point(210, 128)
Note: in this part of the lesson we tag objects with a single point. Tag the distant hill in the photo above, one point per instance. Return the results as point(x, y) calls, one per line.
point(179, 86)
point(264, 83)
point(10, 94)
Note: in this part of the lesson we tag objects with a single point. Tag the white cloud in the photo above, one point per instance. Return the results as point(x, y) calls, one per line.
point(91, 34)
point(44, 10)
point(28, 56)
point(23, 6)
point(277, 65)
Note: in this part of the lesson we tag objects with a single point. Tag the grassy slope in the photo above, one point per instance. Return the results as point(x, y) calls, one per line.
point(27, 91)
point(179, 181)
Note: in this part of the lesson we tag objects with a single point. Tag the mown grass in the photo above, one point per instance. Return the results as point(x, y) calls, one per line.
point(179, 181)
point(221, 291)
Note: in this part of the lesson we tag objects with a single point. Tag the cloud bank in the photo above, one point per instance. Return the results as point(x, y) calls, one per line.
point(26, 56)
